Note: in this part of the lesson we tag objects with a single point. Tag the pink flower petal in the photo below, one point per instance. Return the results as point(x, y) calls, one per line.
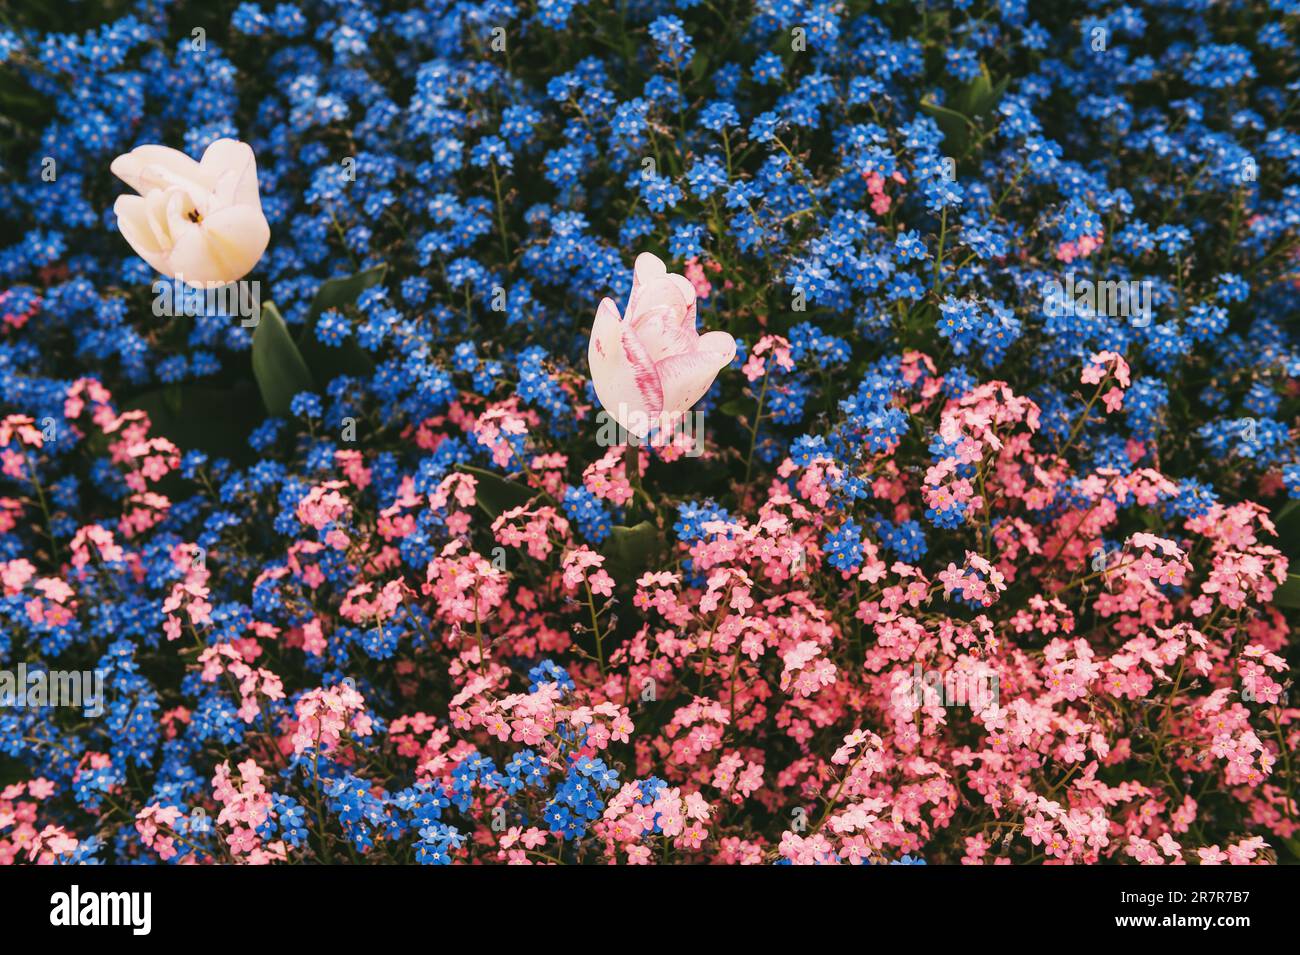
point(622, 374)
point(686, 378)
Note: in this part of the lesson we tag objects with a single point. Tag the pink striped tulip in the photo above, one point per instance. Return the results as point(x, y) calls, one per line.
point(650, 366)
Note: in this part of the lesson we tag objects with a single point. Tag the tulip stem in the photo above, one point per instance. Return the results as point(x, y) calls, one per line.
point(632, 467)
point(501, 213)
point(753, 432)
point(595, 628)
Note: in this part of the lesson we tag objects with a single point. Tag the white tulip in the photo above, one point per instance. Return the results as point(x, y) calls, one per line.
point(198, 222)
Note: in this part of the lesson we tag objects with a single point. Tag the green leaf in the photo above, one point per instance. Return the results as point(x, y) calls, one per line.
point(12, 771)
point(216, 421)
point(956, 119)
point(328, 362)
point(1293, 844)
point(964, 99)
point(916, 330)
point(630, 550)
point(699, 67)
point(20, 104)
point(1288, 595)
point(278, 367)
point(981, 94)
point(496, 494)
point(1287, 522)
point(999, 88)
point(738, 406)
point(335, 293)
point(955, 126)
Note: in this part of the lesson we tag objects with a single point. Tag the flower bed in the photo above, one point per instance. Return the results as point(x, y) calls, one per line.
point(649, 432)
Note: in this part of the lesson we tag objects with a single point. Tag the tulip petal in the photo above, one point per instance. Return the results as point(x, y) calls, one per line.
point(190, 261)
point(134, 223)
point(686, 288)
point(719, 344)
point(649, 268)
point(230, 171)
point(237, 237)
point(179, 209)
point(222, 249)
point(149, 167)
point(665, 320)
point(622, 374)
point(155, 203)
point(133, 220)
point(686, 378)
